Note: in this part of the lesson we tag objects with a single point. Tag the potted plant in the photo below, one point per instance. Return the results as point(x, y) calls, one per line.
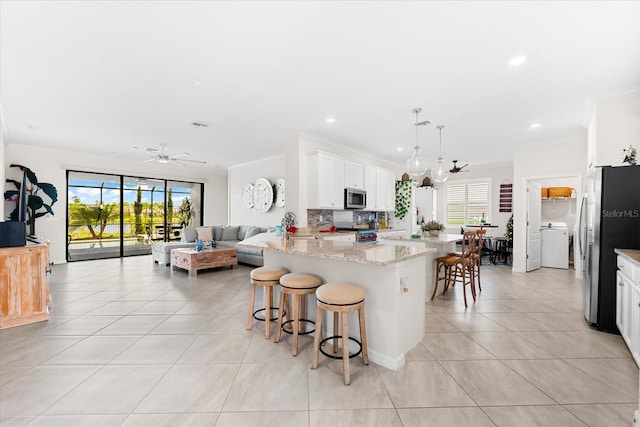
point(36, 205)
point(433, 228)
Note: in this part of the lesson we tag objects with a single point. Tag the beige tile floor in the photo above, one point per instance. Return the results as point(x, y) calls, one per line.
point(132, 344)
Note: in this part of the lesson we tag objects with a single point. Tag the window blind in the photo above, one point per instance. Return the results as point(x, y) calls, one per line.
point(467, 202)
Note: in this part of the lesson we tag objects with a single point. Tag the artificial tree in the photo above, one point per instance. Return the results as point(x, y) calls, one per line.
point(509, 233)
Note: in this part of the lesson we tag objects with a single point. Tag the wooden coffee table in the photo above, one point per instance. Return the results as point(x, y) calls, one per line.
point(192, 260)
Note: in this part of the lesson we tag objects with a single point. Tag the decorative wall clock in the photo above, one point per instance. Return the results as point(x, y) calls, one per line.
point(279, 187)
point(247, 195)
point(262, 195)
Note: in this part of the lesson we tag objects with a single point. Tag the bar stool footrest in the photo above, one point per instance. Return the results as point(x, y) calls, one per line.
point(299, 333)
point(261, 319)
point(351, 356)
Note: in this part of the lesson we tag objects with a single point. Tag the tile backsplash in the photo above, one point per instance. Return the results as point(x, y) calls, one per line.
point(319, 217)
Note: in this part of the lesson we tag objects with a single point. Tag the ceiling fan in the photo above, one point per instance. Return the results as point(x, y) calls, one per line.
point(457, 169)
point(159, 155)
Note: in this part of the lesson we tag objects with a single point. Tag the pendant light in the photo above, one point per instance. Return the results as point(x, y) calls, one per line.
point(440, 174)
point(417, 163)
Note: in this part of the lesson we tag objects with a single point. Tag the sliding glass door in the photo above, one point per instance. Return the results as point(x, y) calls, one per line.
point(113, 215)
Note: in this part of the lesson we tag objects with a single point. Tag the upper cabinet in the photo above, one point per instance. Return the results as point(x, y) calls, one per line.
point(370, 186)
point(385, 191)
point(326, 181)
point(353, 175)
point(329, 175)
point(380, 185)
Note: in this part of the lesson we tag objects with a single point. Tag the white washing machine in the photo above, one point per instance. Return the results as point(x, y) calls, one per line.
point(554, 246)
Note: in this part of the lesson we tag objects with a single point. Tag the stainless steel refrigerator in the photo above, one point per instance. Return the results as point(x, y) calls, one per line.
point(609, 219)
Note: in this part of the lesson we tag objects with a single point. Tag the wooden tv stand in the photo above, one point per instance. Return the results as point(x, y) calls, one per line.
point(24, 286)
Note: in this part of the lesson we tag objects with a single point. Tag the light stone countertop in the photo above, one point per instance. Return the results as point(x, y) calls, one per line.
point(632, 255)
point(442, 239)
point(363, 253)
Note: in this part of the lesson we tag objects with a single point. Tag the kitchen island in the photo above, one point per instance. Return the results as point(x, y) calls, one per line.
point(392, 275)
point(443, 244)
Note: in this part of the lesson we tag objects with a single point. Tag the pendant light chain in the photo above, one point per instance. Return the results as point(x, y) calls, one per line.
point(417, 163)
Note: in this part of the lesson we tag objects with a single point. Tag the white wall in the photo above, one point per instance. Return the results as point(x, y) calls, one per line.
point(557, 158)
point(499, 174)
point(271, 168)
point(617, 124)
point(2, 174)
point(48, 165)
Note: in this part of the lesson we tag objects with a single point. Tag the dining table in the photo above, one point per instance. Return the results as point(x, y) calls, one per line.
point(481, 226)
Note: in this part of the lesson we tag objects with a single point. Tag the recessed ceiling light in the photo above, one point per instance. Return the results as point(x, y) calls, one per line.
point(517, 60)
point(535, 125)
point(196, 84)
point(330, 120)
point(399, 149)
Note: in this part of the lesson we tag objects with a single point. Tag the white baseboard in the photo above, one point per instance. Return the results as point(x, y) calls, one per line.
point(394, 364)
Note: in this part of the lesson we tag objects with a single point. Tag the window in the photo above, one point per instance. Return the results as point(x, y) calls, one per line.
point(115, 215)
point(468, 201)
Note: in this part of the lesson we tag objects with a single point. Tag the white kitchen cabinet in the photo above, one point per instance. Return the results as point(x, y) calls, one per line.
point(385, 190)
point(634, 323)
point(623, 297)
point(370, 186)
point(326, 182)
point(628, 303)
point(329, 175)
point(353, 175)
point(380, 185)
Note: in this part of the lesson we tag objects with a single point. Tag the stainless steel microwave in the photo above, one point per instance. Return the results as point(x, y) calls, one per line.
point(355, 199)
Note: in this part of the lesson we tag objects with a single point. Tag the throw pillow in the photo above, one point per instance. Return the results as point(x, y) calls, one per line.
point(242, 231)
point(252, 231)
point(205, 233)
point(230, 232)
point(217, 232)
point(189, 234)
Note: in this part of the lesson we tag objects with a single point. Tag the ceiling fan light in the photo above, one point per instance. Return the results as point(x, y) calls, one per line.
point(163, 160)
point(416, 164)
point(439, 174)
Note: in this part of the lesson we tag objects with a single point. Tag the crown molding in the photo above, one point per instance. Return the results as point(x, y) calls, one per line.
point(253, 162)
point(612, 95)
point(618, 94)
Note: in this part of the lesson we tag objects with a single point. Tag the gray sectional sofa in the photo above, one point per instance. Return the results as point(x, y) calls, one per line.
point(227, 236)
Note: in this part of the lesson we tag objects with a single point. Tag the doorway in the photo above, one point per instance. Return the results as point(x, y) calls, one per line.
point(556, 215)
point(111, 216)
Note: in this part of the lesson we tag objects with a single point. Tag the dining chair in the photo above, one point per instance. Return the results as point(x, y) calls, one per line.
point(458, 268)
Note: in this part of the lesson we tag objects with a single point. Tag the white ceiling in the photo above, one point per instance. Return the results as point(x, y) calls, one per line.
point(102, 77)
